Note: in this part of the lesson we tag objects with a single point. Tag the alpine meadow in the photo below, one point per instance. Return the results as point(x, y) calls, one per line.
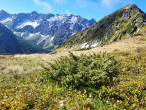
point(67, 62)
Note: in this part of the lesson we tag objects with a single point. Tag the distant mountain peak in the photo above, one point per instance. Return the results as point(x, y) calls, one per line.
point(2, 11)
point(34, 12)
point(3, 14)
point(92, 20)
point(45, 30)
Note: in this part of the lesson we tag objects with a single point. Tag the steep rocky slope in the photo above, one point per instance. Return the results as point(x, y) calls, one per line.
point(46, 30)
point(123, 23)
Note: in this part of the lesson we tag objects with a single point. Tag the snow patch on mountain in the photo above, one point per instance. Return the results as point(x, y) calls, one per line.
point(32, 35)
point(33, 24)
point(71, 27)
point(46, 30)
point(95, 45)
point(22, 33)
point(85, 45)
point(74, 19)
point(57, 18)
point(73, 33)
point(42, 39)
point(6, 20)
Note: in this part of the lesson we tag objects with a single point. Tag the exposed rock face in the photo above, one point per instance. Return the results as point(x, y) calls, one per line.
point(46, 30)
point(123, 23)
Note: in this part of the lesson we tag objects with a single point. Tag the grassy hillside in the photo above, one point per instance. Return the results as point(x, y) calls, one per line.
point(28, 81)
point(121, 24)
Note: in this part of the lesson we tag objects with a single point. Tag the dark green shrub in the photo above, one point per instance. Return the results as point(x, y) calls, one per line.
point(78, 72)
point(116, 38)
point(84, 49)
point(138, 34)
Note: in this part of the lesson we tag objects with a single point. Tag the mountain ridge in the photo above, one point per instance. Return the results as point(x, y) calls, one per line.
point(121, 24)
point(46, 30)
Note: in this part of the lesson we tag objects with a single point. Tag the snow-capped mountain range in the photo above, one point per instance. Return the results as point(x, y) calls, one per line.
point(46, 30)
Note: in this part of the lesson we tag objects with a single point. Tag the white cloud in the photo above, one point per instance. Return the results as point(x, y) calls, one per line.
point(109, 3)
point(45, 4)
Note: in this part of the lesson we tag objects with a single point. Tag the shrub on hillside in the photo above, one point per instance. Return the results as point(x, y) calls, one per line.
point(91, 71)
point(129, 92)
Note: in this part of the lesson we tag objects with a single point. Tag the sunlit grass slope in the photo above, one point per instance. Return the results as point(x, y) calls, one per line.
point(28, 82)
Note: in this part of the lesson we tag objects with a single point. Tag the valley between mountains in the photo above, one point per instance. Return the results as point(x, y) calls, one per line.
point(45, 30)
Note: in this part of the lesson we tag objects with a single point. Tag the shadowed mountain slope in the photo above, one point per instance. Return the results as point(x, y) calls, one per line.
point(11, 44)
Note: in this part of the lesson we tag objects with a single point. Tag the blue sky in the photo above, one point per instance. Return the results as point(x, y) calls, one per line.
point(96, 9)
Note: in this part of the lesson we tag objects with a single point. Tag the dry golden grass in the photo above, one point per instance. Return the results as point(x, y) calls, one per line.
point(9, 65)
point(19, 64)
point(19, 91)
point(129, 44)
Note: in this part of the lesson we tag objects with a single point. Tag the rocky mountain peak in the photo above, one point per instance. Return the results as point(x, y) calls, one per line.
point(2, 11)
point(3, 14)
point(131, 7)
point(92, 20)
point(129, 10)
